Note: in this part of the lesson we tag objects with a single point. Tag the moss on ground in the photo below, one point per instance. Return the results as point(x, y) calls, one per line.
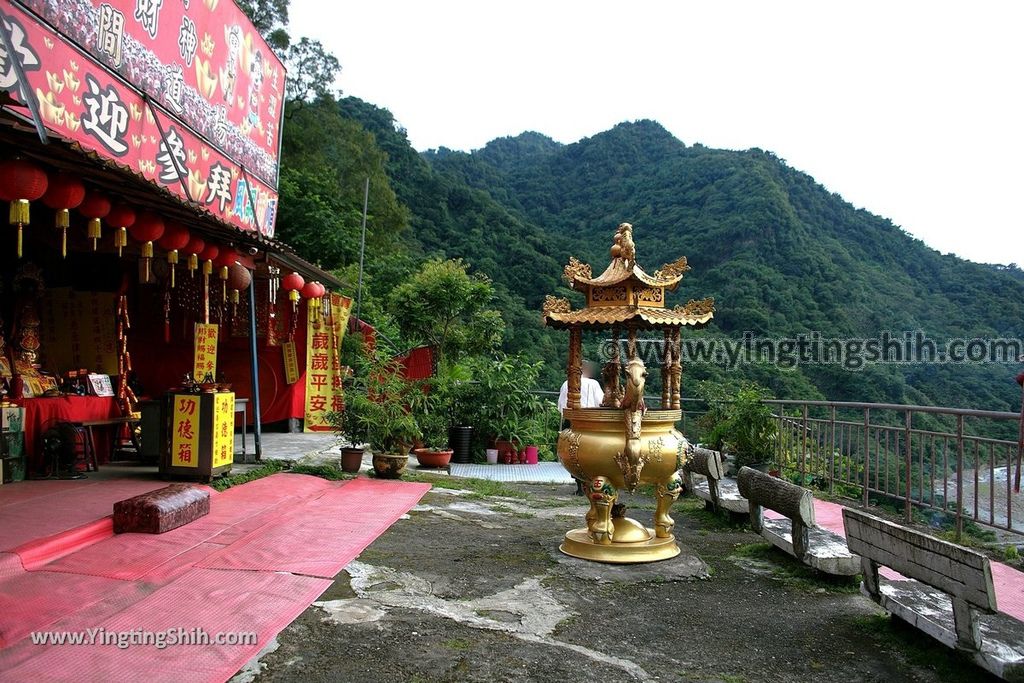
point(794, 573)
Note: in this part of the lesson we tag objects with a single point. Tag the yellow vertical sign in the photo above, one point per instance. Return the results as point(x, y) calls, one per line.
point(291, 362)
point(319, 375)
point(205, 362)
point(185, 431)
point(223, 429)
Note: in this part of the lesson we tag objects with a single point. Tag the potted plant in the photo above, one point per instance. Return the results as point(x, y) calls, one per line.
point(352, 435)
point(379, 399)
point(506, 401)
point(739, 423)
point(430, 408)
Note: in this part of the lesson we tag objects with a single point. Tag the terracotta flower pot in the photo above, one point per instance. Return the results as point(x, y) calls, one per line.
point(389, 465)
point(351, 459)
point(429, 457)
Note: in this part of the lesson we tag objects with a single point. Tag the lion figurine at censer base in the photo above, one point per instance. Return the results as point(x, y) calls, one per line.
point(624, 443)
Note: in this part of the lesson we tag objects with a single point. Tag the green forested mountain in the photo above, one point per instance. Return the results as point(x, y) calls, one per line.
point(780, 253)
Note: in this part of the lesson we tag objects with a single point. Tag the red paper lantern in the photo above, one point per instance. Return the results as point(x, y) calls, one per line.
point(239, 277)
point(95, 206)
point(64, 191)
point(21, 182)
point(293, 284)
point(225, 259)
point(194, 247)
point(122, 217)
point(312, 290)
point(148, 228)
point(175, 237)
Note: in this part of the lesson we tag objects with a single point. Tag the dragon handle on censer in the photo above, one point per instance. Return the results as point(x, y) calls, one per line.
point(623, 443)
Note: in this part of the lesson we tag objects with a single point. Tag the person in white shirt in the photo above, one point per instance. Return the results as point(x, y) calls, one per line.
point(591, 393)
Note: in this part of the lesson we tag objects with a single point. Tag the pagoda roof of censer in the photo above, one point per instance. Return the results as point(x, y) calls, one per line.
point(558, 314)
point(625, 294)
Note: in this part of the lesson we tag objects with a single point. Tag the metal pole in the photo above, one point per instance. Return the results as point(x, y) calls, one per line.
point(1020, 445)
point(832, 455)
point(362, 250)
point(803, 450)
point(960, 476)
point(907, 511)
point(867, 468)
point(23, 85)
point(257, 426)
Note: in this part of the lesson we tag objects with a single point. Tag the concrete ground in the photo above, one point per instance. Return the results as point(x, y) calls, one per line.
point(471, 587)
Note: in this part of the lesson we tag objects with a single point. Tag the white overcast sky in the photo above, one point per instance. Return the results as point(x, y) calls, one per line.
point(911, 110)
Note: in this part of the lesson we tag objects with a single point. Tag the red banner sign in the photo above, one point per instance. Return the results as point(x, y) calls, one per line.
point(83, 101)
point(201, 59)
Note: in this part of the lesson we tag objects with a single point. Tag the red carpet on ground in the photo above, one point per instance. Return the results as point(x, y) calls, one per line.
point(264, 553)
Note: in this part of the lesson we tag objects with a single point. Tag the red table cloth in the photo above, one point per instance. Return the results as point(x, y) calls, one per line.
point(43, 413)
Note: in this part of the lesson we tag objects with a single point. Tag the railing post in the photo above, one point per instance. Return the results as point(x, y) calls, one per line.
point(960, 475)
point(867, 467)
point(803, 450)
point(832, 453)
point(907, 509)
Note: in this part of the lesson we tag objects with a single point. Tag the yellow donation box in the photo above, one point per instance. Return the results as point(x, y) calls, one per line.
point(200, 436)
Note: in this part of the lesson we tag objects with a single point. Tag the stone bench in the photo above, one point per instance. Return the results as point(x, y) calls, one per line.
point(797, 534)
point(947, 592)
point(161, 510)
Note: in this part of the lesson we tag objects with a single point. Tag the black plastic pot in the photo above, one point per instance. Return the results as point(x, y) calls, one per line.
point(460, 440)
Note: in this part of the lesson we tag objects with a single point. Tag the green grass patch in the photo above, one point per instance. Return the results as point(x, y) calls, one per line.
point(919, 649)
point(265, 470)
point(328, 471)
point(478, 488)
point(793, 573)
point(459, 644)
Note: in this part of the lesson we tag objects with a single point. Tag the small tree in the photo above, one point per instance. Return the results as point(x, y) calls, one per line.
point(377, 405)
point(738, 421)
point(445, 306)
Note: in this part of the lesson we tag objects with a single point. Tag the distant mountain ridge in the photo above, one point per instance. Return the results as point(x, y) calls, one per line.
point(781, 254)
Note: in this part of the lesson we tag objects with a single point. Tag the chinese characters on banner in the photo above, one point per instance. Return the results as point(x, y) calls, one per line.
point(232, 176)
point(323, 369)
point(185, 431)
point(205, 362)
point(291, 362)
point(223, 429)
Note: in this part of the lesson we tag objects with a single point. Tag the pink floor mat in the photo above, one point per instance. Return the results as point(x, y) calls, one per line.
point(320, 537)
point(218, 602)
point(263, 554)
point(64, 505)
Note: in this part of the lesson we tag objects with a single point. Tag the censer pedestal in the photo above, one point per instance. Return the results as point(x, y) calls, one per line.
point(633, 543)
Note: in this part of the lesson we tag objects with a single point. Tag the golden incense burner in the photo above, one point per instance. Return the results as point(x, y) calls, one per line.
point(622, 443)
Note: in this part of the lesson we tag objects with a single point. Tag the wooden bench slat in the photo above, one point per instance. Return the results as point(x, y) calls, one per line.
point(958, 571)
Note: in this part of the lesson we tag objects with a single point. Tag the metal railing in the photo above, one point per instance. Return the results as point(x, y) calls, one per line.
point(953, 462)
